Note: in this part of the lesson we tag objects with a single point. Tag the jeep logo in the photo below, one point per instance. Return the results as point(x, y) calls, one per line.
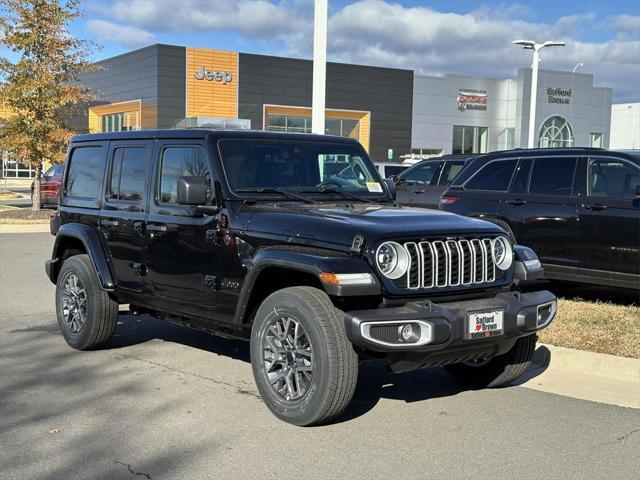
point(218, 76)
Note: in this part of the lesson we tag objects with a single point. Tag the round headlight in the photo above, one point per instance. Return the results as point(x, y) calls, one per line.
point(502, 253)
point(392, 260)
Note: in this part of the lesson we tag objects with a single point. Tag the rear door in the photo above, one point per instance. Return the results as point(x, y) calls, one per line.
point(181, 256)
point(609, 215)
point(541, 208)
point(122, 217)
point(413, 184)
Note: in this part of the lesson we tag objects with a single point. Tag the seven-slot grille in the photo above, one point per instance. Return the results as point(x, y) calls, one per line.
point(450, 263)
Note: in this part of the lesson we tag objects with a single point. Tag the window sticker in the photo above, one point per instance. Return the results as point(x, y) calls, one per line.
point(374, 187)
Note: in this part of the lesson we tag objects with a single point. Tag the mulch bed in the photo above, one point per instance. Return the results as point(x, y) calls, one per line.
point(25, 216)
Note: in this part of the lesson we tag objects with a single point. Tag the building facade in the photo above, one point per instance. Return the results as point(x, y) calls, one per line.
point(459, 114)
point(165, 86)
point(625, 126)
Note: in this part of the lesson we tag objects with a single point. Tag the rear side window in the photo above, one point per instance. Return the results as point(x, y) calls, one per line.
point(178, 162)
point(393, 170)
point(449, 172)
point(129, 173)
point(612, 178)
point(521, 181)
point(420, 175)
point(552, 176)
point(86, 167)
point(494, 176)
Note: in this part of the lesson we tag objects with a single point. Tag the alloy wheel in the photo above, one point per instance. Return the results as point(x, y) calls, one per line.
point(74, 304)
point(287, 357)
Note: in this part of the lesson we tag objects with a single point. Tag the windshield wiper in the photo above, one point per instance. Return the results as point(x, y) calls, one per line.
point(276, 191)
point(339, 192)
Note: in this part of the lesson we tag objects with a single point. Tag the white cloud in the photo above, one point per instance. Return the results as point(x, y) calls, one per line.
point(253, 18)
point(125, 35)
point(379, 32)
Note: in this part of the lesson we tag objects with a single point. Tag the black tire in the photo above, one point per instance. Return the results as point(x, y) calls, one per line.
point(100, 313)
point(498, 371)
point(335, 363)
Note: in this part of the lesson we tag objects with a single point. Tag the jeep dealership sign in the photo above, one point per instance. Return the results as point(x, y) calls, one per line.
point(211, 75)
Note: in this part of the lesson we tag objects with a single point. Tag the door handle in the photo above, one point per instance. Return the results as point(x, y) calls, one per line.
point(417, 192)
point(157, 228)
point(109, 223)
point(138, 227)
point(516, 203)
point(595, 207)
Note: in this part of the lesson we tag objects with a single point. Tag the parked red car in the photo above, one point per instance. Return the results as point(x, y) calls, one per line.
point(50, 185)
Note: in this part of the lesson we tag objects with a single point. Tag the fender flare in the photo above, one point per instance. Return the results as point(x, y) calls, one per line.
point(94, 247)
point(312, 263)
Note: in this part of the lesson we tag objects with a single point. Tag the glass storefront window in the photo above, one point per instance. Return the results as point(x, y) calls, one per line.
point(470, 139)
point(298, 124)
point(596, 140)
point(11, 168)
point(555, 132)
point(120, 122)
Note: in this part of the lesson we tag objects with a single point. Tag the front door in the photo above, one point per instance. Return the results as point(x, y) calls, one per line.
point(610, 216)
point(181, 256)
point(123, 211)
point(412, 186)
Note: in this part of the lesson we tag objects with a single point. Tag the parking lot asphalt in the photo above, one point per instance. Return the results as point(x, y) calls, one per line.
point(163, 402)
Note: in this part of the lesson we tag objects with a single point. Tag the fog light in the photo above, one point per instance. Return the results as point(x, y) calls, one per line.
point(409, 332)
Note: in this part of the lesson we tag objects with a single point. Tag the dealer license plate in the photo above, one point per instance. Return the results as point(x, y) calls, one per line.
point(485, 324)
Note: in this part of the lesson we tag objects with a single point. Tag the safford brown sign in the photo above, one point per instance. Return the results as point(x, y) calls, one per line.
point(558, 95)
point(469, 99)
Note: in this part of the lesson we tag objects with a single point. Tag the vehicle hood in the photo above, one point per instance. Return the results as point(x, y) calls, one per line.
point(337, 224)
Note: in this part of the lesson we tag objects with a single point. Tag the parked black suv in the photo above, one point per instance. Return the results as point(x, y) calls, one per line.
point(424, 183)
point(578, 208)
point(243, 234)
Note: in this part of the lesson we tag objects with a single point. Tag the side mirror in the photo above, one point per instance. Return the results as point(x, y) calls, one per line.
point(391, 185)
point(394, 178)
point(192, 191)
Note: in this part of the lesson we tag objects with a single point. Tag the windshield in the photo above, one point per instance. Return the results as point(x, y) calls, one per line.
point(254, 166)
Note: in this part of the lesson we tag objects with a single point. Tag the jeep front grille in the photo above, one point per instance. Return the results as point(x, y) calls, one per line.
point(450, 263)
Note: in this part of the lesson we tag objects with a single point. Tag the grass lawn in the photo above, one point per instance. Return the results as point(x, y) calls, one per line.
point(595, 326)
point(6, 207)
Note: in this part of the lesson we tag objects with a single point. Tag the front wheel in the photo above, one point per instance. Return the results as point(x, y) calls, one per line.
point(303, 364)
point(497, 371)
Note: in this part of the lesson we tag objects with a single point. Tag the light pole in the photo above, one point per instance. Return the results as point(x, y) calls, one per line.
point(536, 47)
point(319, 66)
point(577, 65)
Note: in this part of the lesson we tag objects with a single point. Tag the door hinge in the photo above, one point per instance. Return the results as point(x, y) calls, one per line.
point(212, 282)
point(139, 268)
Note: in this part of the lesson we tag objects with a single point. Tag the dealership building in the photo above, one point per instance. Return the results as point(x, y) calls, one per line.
point(394, 113)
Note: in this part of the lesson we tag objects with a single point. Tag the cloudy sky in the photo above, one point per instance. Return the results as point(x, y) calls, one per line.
point(431, 37)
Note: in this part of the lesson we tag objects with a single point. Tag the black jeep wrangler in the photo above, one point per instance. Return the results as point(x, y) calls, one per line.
point(243, 234)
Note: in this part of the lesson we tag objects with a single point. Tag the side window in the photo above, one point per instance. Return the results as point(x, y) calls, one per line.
point(494, 176)
point(449, 172)
point(179, 162)
point(552, 175)
point(613, 178)
point(128, 173)
point(50, 172)
point(521, 180)
point(421, 175)
point(86, 167)
point(57, 170)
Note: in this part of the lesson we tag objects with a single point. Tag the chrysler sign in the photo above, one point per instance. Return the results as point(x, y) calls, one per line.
point(469, 99)
point(211, 75)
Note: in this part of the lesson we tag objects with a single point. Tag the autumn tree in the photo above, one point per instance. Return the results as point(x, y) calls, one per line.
point(41, 86)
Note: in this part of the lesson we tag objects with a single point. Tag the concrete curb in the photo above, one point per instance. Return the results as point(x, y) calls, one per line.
point(24, 227)
point(623, 369)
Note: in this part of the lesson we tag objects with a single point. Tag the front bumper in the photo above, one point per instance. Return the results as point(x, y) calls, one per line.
point(524, 314)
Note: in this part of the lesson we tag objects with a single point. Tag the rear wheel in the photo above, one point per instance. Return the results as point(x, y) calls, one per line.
point(497, 371)
point(87, 317)
point(303, 364)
